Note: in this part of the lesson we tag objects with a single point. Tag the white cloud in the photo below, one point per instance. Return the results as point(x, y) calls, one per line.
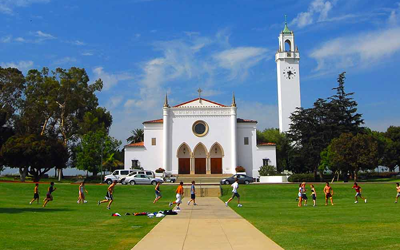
point(110, 80)
point(114, 101)
point(7, 6)
point(44, 36)
point(21, 65)
point(210, 92)
point(87, 54)
point(394, 18)
point(239, 60)
point(6, 39)
point(65, 60)
point(77, 43)
point(318, 9)
point(20, 39)
point(133, 103)
point(360, 50)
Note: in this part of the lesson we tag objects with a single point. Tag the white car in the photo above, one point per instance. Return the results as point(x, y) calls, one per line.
point(117, 175)
point(148, 173)
point(138, 179)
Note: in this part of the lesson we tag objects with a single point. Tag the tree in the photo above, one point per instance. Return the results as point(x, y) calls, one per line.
point(137, 136)
point(313, 129)
point(391, 157)
point(94, 149)
point(283, 147)
point(12, 84)
point(352, 153)
point(34, 154)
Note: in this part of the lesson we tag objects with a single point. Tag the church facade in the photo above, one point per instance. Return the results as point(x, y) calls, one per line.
point(204, 137)
point(200, 137)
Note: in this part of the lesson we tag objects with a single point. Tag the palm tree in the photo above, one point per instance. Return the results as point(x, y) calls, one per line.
point(137, 136)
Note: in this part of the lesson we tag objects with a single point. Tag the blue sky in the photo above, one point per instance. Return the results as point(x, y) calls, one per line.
point(143, 49)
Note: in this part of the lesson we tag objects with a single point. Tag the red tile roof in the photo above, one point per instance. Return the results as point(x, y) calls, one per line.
point(240, 120)
point(198, 99)
point(266, 144)
point(154, 121)
point(137, 144)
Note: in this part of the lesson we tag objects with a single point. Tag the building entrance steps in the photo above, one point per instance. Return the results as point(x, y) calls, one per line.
point(209, 225)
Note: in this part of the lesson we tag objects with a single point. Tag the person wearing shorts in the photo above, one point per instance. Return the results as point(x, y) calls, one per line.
point(109, 196)
point(192, 194)
point(328, 191)
point(179, 196)
point(300, 196)
point(49, 196)
point(35, 194)
point(358, 193)
point(235, 193)
point(313, 195)
point(303, 193)
point(398, 192)
point(158, 192)
point(81, 194)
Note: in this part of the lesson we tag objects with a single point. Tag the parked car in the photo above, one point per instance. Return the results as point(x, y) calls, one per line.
point(242, 179)
point(148, 173)
point(169, 178)
point(138, 179)
point(117, 175)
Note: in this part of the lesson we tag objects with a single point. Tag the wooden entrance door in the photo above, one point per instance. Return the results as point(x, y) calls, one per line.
point(216, 165)
point(200, 166)
point(184, 166)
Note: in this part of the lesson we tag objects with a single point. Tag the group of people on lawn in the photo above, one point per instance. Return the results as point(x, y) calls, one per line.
point(302, 195)
point(328, 192)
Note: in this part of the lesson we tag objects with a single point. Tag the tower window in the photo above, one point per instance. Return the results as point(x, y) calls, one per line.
point(153, 141)
point(288, 45)
point(246, 141)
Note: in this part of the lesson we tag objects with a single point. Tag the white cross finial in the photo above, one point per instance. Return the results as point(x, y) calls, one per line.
point(199, 90)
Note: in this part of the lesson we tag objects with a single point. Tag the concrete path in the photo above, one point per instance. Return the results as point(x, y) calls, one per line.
point(209, 225)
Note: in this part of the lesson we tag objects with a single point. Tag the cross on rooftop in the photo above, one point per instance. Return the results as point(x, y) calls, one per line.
point(199, 91)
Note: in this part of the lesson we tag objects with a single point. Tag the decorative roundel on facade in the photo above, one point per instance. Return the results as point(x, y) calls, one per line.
point(200, 128)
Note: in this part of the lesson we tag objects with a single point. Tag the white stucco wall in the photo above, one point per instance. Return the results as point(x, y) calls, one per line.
point(149, 156)
point(245, 152)
point(260, 153)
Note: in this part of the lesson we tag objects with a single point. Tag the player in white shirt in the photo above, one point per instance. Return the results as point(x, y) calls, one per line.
point(235, 187)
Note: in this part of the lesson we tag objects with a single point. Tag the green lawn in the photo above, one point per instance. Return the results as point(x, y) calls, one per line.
point(64, 224)
point(273, 210)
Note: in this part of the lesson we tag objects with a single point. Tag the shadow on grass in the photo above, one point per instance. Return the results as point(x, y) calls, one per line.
point(6, 210)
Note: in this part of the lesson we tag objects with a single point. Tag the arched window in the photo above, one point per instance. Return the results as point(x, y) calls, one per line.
point(287, 45)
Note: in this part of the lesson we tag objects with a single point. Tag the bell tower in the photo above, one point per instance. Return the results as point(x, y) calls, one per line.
point(288, 75)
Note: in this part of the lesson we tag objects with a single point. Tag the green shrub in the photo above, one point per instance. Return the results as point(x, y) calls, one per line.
point(267, 170)
point(301, 177)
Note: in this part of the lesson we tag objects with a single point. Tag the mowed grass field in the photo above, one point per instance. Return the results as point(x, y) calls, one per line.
point(64, 224)
point(273, 210)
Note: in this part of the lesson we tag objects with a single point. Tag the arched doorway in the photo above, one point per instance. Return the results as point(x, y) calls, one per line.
point(183, 155)
point(200, 159)
point(216, 154)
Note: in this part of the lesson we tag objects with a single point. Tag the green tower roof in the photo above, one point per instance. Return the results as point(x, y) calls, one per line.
point(286, 30)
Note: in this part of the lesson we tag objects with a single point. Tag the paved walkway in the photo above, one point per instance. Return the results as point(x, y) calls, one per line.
point(209, 225)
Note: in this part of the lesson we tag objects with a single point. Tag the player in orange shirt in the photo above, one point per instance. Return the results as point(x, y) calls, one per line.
point(179, 196)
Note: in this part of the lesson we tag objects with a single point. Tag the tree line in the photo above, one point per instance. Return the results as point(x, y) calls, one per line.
point(52, 119)
point(330, 136)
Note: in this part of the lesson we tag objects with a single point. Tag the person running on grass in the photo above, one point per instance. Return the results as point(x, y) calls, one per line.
point(235, 193)
point(192, 194)
point(109, 196)
point(158, 192)
point(81, 195)
point(314, 195)
point(49, 196)
point(35, 194)
point(358, 193)
point(328, 191)
point(398, 192)
point(300, 196)
point(179, 194)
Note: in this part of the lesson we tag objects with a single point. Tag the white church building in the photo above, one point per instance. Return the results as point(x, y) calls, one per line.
point(204, 137)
